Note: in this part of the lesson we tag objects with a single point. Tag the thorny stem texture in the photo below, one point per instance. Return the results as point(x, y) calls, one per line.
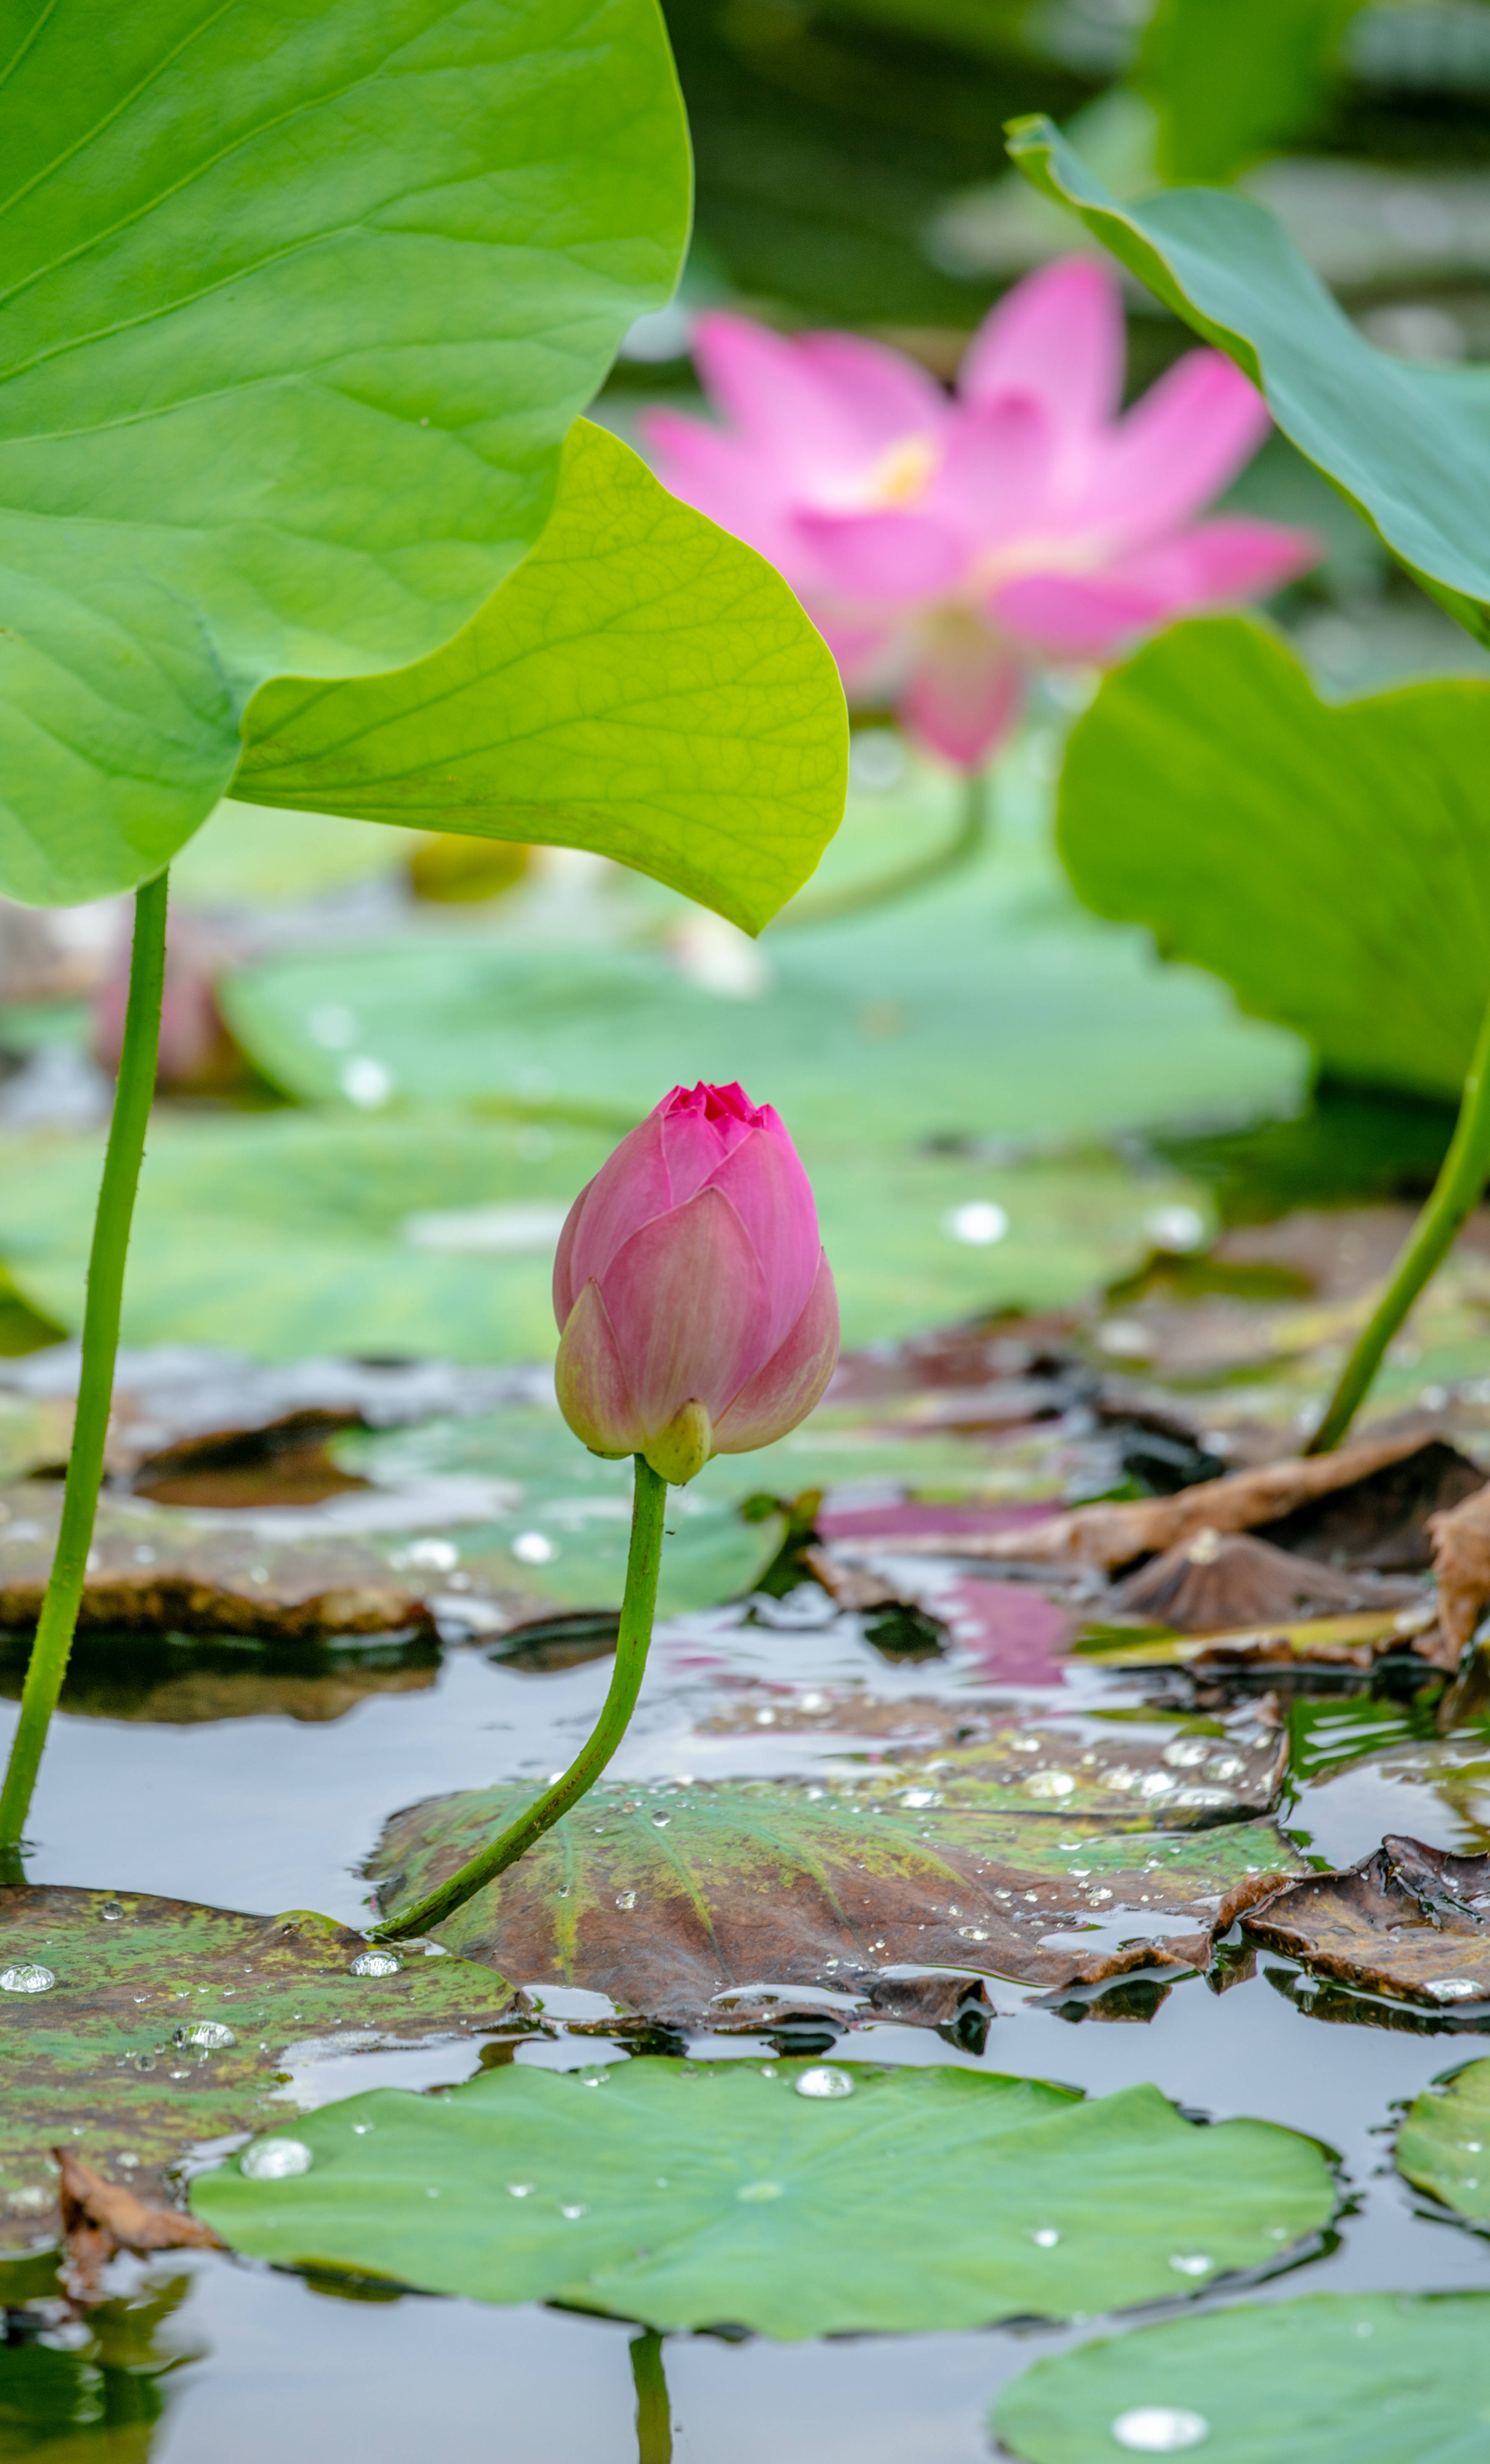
point(625, 1680)
point(969, 841)
point(116, 1208)
point(1455, 1194)
point(653, 2412)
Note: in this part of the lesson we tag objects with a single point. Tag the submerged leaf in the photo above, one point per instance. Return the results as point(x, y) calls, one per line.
point(1444, 2143)
point(645, 686)
point(731, 2193)
point(164, 2024)
point(1333, 2378)
point(692, 1904)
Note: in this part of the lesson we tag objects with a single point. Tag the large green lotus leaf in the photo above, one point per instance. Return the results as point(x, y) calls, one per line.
point(1408, 444)
point(645, 686)
point(1231, 84)
point(107, 2058)
point(988, 1006)
point(280, 1234)
point(668, 1897)
point(1333, 865)
point(694, 2196)
point(1335, 2377)
point(300, 306)
point(1444, 2143)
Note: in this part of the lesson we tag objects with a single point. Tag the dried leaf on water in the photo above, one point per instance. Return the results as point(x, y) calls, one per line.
point(1408, 1921)
point(167, 2024)
point(1279, 1500)
point(1210, 1582)
point(1444, 2143)
point(692, 2196)
point(1331, 2378)
point(678, 1901)
point(99, 2218)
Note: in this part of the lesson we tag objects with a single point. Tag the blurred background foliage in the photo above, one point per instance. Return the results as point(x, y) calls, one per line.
point(998, 1094)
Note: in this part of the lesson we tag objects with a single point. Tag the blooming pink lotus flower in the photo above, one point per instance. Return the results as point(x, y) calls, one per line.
point(947, 547)
point(696, 1308)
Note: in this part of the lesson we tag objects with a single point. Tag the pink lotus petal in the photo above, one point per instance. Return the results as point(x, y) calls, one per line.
point(898, 559)
point(1094, 616)
point(793, 1380)
point(701, 1128)
point(690, 1307)
point(965, 689)
point(632, 1187)
point(770, 391)
point(1175, 449)
point(724, 477)
point(996, 471)
point(1058, 336)
point(888, 397)
point(591, 1382)
point(563, 1271)
point(765, 1183)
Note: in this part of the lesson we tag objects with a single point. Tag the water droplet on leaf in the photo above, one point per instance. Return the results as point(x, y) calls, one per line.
point(1160, 2428)
point(275, 2160)
point(824, 2081)
point(30, 1977)
point(375, 1963)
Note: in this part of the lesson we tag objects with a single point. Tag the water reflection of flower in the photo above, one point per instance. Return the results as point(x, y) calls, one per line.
point(951, 546)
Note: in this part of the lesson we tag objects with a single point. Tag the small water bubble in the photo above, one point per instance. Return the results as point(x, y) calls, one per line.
point(534, 1549)
point(918, 1797)
point(359, 2129)
point(1043, 2237)
point(520, 2190)
point(662, 1821)
point(375, 1963)
point(625, 1899)
point(144, 2061)
point(431, 2194)
point(110, 1912)
point(127, 2158)
point(1192, 2263)
point(575, 2211)
point(209, 2034)
point(564, 1888)
point(30, 1977)
point(970, 1934)
point(823, 2081)
point(275, 2160)
point(1443, 1989)
point(1160, 2428)
point(768, 2070)
point(751, 2192)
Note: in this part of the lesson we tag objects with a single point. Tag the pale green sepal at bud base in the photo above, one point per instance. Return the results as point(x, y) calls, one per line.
point(683, 1446)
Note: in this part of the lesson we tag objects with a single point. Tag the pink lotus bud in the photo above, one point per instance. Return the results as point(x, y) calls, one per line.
point(696, 1308)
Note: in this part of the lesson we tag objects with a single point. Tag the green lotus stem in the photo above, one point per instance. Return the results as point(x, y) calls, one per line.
point(971, 839)
point(1456, 1193)
point(653, 2412)
point(631, 1646)
point(132, 1100)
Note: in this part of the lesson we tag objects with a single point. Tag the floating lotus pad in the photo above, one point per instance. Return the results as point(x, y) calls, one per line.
point(678, 1901)
point(122, 2054)
point(1335, 2377)
point(1444, 2143)
point(730, 2193)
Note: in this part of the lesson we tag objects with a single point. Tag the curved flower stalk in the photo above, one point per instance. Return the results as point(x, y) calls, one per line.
point(698, 1317)
point(949, 548)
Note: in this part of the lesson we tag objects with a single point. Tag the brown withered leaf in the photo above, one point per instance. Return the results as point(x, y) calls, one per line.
point(1409, 1921)
point(674, 1901)
point(1214, 1582)
point(149, 1570)
point(1111, 1535)
point(99, 2218)
point(1461, 1562)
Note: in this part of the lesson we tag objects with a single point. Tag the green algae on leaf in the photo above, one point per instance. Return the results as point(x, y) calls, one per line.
point(1333, 2378)
point(1444, 2143)
point(302, 305)
point(123, 2056)
point(683, 1902)
point(730, 2193)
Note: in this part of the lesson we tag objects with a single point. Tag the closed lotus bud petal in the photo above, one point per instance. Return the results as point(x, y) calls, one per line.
point(695, 1307)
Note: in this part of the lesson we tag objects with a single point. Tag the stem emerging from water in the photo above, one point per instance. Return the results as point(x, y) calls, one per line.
point(631, 1646)
point(970, 840)
point(1455, 1195)
point(116, 1208)
point(653, 2412)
